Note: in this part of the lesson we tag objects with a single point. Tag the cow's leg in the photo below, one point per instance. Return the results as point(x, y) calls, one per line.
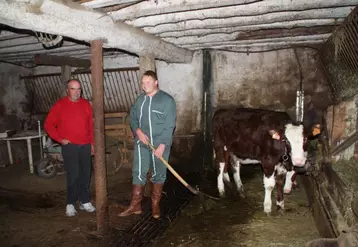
point(293, 180)
point(221, 187)
point(226, 176)
point(269, 184)
point(236, 170)
point(220, 160)
point(290, 176)
point(280, 179)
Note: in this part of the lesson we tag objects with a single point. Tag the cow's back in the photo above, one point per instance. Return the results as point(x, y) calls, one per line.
point(245, 131)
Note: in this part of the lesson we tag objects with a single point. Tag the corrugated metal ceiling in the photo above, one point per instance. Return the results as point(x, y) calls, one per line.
point(235, 25)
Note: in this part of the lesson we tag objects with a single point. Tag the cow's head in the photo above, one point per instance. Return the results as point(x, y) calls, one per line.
point(295, 138)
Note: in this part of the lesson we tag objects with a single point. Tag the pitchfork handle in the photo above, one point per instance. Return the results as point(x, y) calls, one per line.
point(194, 191)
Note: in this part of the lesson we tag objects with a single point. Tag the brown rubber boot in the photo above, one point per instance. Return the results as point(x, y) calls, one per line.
point(156, 196)
point(135, 207)
point(148, 185)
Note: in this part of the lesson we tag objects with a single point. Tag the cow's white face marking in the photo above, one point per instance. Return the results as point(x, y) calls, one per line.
point(294, 135)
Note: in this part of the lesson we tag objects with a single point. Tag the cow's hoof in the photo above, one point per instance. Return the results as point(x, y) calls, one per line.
point(268, 214)
point(242, 193)
point(287, 192)
point(280, 211)
point(222, 194)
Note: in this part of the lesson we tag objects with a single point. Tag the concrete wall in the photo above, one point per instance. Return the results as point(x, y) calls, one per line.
point(14, 100)
point(182, 81)
point(267, 80)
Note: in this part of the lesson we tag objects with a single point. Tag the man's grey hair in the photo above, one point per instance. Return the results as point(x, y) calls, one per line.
point(70, 80)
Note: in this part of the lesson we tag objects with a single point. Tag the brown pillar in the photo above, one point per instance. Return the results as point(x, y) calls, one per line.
point(99, 149)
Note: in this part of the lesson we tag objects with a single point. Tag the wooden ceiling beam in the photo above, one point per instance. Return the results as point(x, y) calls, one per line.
point(45, 59)
point(80, 23)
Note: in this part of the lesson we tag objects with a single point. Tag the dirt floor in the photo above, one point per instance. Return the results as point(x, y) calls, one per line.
point(32, 210)
point(32, 213)
point(241, 222)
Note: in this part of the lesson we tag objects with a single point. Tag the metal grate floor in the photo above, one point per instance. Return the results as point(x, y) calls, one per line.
point(147, 230)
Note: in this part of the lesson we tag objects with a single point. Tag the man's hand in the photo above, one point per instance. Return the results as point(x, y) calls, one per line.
point(65, 142)
point(141, 136)
point(159, 151)
point(92, 149)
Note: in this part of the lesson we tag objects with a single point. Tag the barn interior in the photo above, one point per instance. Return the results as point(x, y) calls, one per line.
point(294, 56)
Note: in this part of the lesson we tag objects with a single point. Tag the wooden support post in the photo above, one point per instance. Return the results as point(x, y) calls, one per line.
point(65, 76)
point(99, 149)
point(146, 63)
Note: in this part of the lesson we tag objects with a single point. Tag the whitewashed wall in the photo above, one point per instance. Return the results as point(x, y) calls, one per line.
point(14, 100)
point(267, 80)
point(184, 83)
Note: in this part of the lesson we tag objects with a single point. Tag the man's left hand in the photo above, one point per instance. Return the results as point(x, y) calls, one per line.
point(159, 151)
point(92, 149)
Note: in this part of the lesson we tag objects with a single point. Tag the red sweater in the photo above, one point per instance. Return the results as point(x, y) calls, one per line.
point(70, 120)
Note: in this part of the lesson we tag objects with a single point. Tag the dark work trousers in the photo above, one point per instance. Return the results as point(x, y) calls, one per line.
point(78, 165)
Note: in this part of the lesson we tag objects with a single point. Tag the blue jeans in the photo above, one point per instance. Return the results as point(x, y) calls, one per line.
point(78, 165)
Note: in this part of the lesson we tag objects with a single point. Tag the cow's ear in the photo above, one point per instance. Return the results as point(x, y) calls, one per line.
point(274, 134)
point(316, 129)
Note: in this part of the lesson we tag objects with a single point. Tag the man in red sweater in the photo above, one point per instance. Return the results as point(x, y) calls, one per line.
point(69, 122)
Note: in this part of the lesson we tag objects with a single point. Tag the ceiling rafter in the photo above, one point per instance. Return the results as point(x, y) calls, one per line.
point(253, 9)
point(247, 21)
point(261, 27)
point(147, 9)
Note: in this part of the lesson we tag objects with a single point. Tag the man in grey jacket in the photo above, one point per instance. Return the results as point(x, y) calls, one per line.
point(152, 119)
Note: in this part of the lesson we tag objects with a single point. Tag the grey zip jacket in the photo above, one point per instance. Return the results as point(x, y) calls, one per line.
point(155, 116)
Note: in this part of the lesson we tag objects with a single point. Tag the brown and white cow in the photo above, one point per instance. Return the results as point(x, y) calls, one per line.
point(249, 135)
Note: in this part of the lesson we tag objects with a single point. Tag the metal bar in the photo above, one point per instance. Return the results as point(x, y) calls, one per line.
point(113, 100)
point(115, 94)
point(102, 214)
point(40, 94)
point(348, 48)
point(106, 96)
point(134, 81)
point(352, 45)
point(118, 90)
point(29, 152)
point(132, 96)
point(126, 100)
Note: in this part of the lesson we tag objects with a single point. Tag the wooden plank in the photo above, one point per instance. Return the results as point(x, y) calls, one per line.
point(44, 59)
point(116, 127)
point(346, 144)
point(116, 115)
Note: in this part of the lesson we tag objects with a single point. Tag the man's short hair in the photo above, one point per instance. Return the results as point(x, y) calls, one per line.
point(70, 80)
point(151, 73)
